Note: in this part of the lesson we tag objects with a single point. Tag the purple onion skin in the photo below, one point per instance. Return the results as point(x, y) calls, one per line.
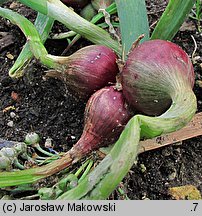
point(106, 114)
point(75, 3)
point(150, 74)
point(89, 69)
point(101, 4)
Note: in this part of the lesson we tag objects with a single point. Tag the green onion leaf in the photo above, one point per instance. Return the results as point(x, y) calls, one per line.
point(172, 18)
point(44, 25)
point(133, 22)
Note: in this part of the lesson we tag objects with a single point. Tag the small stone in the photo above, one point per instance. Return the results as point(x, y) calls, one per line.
point(143, 168)
point(146, 198)
point(199, 83)
point(48, 143)
point(196, 58)
point(10, 56)
point(15, 96)
point(178, 143)
point(12, 115)
point(172, 176)
point(14, 5)
point(73, 137)
point(165, 152)
point(10, 123)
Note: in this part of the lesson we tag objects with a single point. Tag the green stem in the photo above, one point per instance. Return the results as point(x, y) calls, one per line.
point(122, 192)
point(172, 19)
point(41, 158)
point(40, 6)
point(18, 164)
point(57, 10)
point(78, 172)
point(38, 147)
point(118, 162)
point(86, 171)
point(111, 10)
point(112, 168)
point(64, 35)
point(72, 33)
point(43, 25)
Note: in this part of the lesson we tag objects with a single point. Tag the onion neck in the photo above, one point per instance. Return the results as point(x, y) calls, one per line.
point(86, 144)
point(181, 111)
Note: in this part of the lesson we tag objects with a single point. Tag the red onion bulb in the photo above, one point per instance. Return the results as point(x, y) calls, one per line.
point(152, 72)
point(89, 69)
point(106, 115)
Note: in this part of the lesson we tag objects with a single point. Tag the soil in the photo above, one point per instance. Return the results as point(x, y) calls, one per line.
point(46, 107)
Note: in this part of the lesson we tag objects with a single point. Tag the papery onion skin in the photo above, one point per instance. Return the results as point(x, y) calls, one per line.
point(152, 71)
point(75, 3)
point(106, 115)
point(89, 69)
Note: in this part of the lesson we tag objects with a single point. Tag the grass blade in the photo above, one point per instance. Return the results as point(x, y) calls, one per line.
point(133, 22)
point(172, 18)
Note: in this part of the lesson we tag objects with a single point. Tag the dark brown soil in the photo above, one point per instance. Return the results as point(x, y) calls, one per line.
point(46, 107)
